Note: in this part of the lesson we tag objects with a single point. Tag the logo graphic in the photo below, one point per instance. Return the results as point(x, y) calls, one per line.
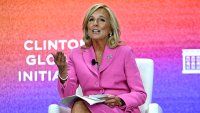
point(191, 61)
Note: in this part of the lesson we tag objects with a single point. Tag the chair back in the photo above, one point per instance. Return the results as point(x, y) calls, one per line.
point(146, 69)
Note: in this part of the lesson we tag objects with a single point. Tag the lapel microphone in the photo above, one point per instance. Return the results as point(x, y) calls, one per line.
point(94, 62)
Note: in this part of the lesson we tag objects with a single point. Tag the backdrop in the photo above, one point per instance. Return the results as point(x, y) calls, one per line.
point(167, 31)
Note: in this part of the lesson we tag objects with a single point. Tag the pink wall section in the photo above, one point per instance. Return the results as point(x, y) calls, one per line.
point(157, 29)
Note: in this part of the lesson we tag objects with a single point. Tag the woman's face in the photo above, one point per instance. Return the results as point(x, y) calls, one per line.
point(99, 24)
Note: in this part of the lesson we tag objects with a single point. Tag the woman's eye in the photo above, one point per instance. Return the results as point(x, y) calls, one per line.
point(103, 20)
point(91, 19)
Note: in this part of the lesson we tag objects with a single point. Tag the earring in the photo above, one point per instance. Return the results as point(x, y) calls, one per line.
point(110, 34)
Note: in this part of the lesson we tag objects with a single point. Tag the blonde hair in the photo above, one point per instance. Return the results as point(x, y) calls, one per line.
point(114, 38)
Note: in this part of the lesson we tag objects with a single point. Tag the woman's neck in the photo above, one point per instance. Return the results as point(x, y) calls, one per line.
point(99, 47)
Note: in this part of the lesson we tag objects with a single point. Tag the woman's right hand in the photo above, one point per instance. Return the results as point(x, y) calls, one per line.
point(60, 61)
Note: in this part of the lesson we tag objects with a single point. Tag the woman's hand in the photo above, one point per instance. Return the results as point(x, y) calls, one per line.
point(112, 101)
point(60, 61)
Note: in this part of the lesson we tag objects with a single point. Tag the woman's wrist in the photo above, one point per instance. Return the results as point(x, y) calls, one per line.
point(62, 72)
point(62, 78)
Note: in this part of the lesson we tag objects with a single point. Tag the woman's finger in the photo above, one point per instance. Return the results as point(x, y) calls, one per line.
point(111, 105)
point(59, 56)
point(54, 55)
point(64, 59)
point(110, 101)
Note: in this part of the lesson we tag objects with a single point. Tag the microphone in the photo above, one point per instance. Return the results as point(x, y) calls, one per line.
point(94, 62)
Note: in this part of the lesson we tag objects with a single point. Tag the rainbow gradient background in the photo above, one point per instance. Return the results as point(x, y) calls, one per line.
point(156, 29)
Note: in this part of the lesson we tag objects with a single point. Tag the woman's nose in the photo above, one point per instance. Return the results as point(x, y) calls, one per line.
point(95, 22)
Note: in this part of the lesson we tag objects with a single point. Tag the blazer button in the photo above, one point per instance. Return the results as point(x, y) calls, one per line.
point(97, 83)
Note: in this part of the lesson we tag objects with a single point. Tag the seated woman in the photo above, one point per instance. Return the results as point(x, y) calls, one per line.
point(104, 65)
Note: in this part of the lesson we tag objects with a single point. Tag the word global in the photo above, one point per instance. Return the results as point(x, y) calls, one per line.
point(34, 76)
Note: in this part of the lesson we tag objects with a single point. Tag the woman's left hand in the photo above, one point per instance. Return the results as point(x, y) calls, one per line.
point(112, 101)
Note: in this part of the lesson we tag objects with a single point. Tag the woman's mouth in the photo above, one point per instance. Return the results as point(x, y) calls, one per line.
point(95, 31)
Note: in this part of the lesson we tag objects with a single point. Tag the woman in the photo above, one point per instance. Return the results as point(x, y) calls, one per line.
point(103, 66)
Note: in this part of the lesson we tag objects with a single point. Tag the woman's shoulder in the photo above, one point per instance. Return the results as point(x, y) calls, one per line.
point(75, 51)
point(79, 50)
point(125, 48)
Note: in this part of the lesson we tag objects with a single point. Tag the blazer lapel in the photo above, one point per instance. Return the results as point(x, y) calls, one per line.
point(108, 56)
point(88, 55)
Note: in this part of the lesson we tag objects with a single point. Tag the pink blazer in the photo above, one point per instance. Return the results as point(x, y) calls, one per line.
point(117, 75)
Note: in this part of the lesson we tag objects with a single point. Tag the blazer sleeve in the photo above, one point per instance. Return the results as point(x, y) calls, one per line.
point(137, 95)
point(70, 86)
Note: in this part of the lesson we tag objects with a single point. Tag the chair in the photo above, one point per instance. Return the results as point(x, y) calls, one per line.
point(146, 68)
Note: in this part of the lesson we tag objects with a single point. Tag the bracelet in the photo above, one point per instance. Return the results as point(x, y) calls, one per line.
point(64, 79)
